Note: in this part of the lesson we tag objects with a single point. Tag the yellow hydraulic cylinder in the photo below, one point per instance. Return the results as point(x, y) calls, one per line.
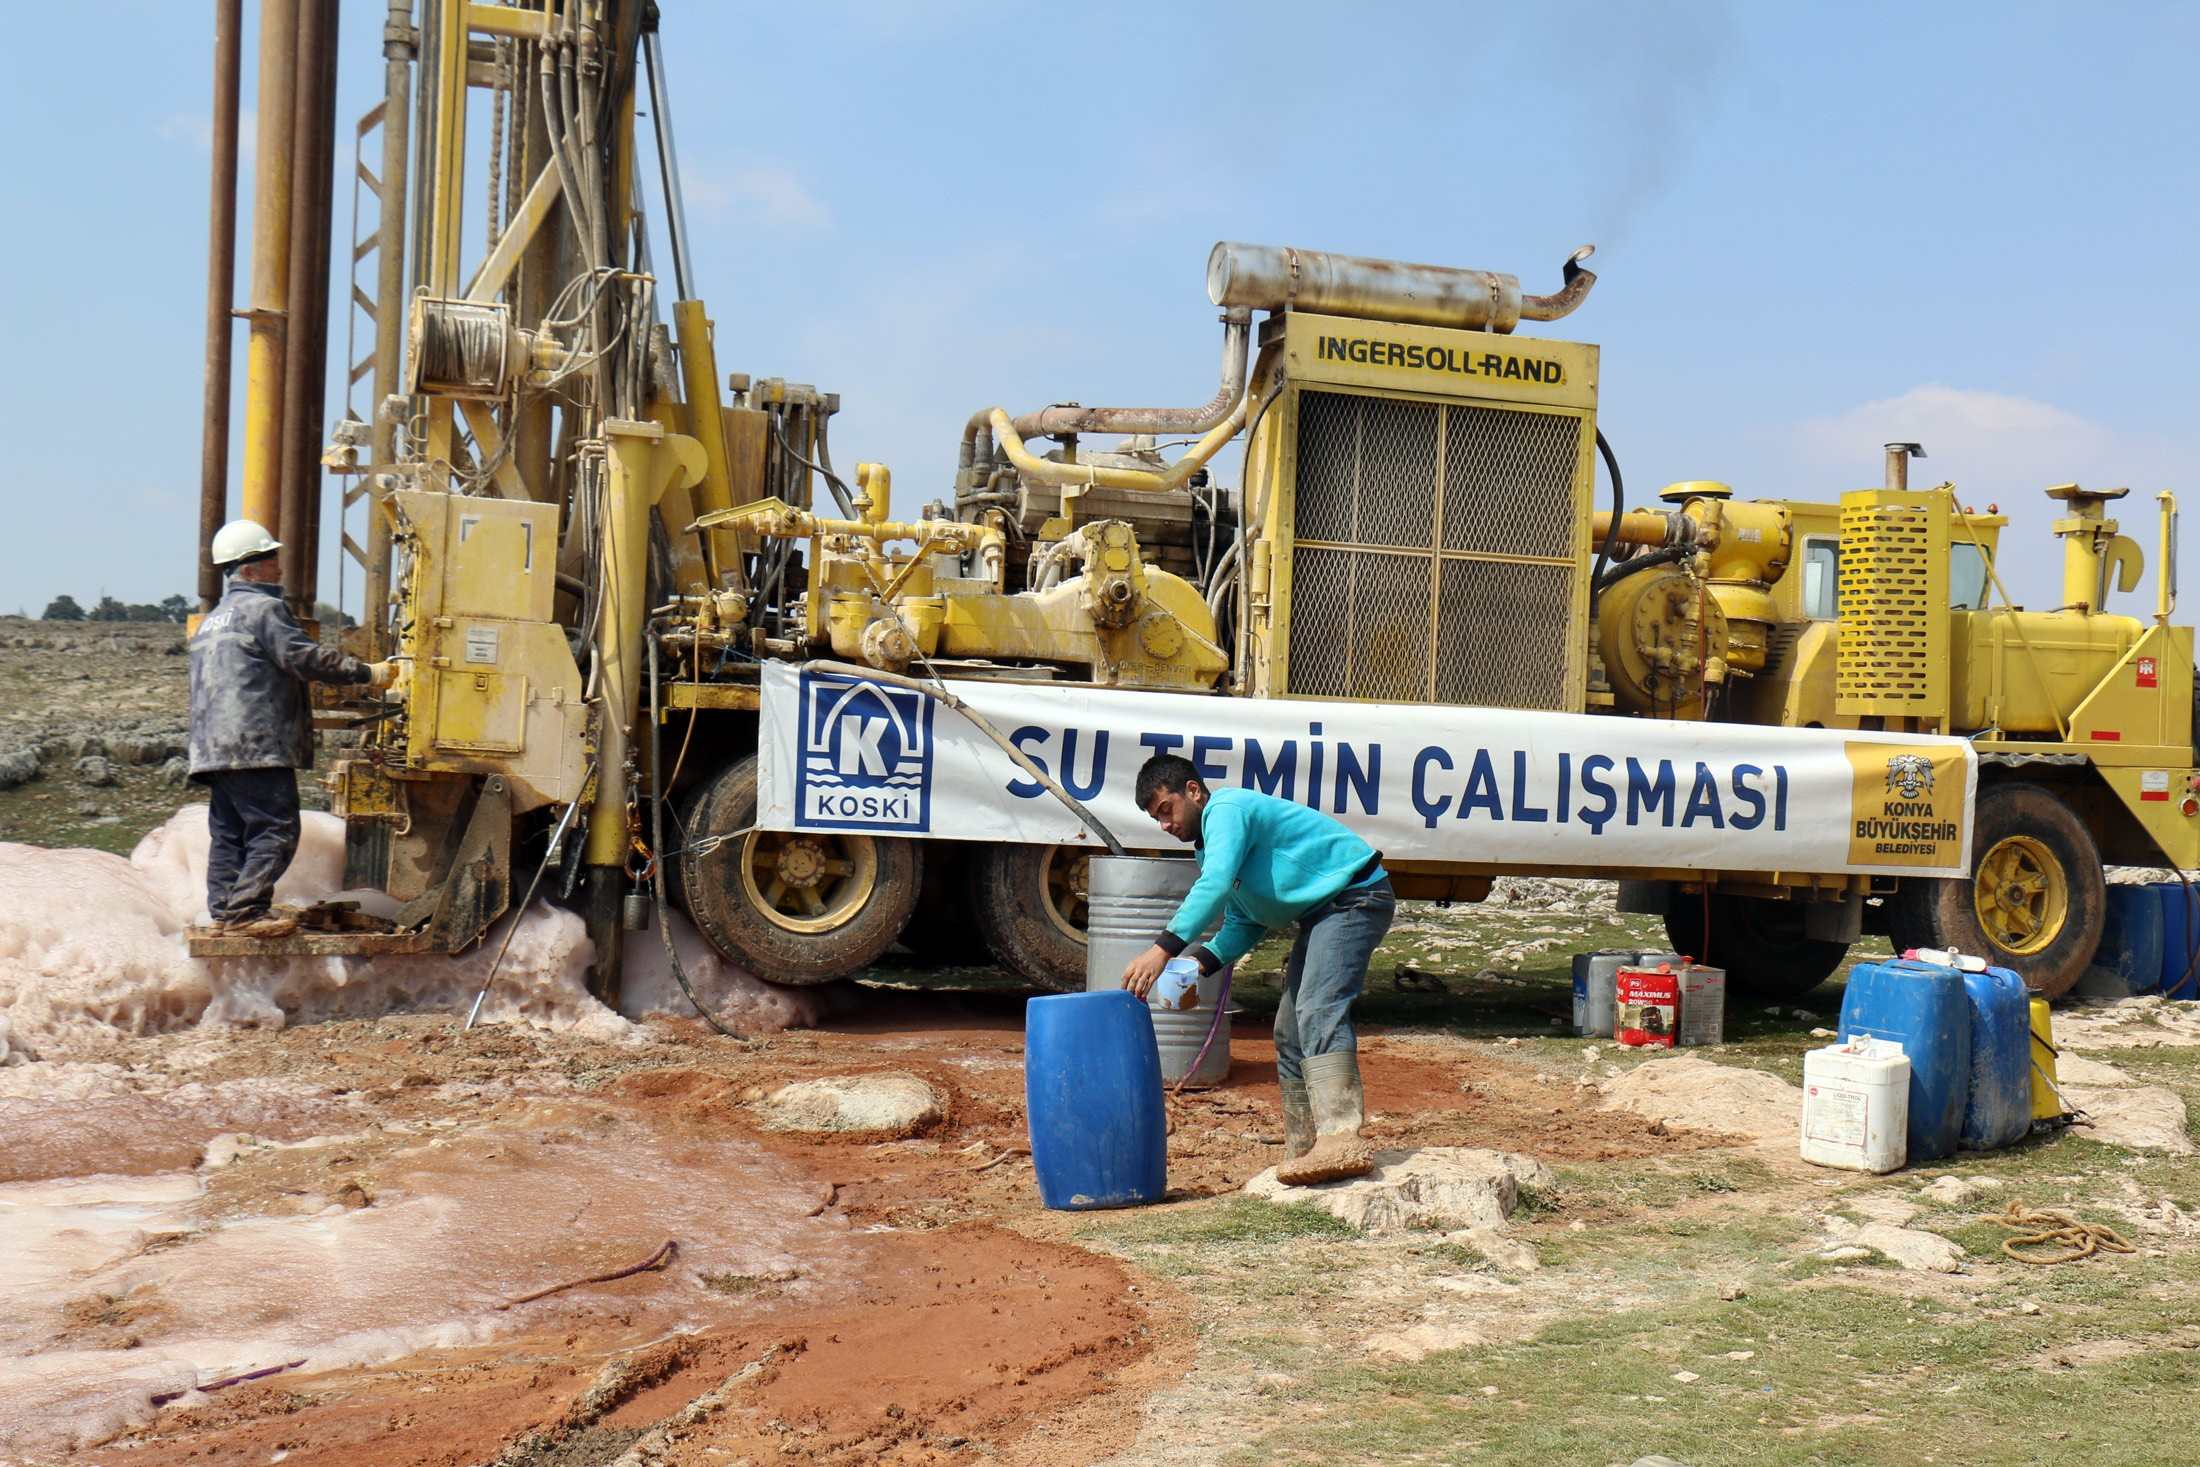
point(263, 371)
point(643, 460)
point(699, 379)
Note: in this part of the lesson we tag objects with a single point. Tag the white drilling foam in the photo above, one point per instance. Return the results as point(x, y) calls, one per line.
point(92, 945)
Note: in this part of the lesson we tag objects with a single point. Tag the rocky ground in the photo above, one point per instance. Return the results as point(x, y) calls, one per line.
point(449, 1246)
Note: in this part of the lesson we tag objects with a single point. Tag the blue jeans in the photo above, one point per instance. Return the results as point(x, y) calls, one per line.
point(1327, 970)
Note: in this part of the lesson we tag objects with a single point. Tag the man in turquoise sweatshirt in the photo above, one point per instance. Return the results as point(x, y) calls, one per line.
point(1265, 864)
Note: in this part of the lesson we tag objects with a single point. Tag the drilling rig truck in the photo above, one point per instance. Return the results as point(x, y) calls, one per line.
point(645, 658)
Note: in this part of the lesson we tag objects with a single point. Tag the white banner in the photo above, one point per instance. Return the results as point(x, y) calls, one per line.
point(1420, 783)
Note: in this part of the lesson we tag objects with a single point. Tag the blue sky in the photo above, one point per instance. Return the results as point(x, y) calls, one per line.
point(1818, 227)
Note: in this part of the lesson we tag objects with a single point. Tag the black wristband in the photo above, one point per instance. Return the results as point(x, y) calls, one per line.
point(1206, 959)
point(1169, 942)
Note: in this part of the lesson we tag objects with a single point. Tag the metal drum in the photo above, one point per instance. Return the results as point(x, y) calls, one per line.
point(1130, 899)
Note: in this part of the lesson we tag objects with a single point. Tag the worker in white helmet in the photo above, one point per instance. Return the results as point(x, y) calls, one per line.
point(251, 729)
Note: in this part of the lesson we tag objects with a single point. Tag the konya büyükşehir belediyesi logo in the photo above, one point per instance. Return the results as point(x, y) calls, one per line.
point(866, 755)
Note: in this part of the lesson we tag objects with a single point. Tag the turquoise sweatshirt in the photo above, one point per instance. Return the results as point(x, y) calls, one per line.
point(1263, 864)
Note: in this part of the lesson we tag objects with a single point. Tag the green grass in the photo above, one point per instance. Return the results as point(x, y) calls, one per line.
point(1235, 1221)
point(1833, 1374)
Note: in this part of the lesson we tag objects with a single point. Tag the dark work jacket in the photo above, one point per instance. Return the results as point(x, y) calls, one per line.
point(250, 662)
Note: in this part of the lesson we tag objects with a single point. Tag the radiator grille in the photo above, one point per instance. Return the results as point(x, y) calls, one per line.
point(1434, 556)
point(1893, 657)
point(1509, 482)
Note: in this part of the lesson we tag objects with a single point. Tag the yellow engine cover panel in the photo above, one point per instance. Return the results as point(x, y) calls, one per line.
point(1894, 604)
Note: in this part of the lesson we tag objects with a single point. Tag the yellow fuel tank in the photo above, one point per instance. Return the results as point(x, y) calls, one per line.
point(2012, 670)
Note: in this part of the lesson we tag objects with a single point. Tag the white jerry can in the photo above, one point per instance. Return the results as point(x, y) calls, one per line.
point(1856, 1105)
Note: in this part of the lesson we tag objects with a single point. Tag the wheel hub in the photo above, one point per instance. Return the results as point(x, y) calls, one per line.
point(800, 863)
point(2021, 894)
point(806, 883)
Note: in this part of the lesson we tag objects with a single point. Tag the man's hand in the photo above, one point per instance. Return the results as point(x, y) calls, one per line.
point(381, 674)
point(1143, 969)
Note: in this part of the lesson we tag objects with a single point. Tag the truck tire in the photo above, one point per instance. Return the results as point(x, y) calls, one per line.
point(791, 908)
point(2037, 898)
point(1029, 905)
point(1758, 941)
point(939, 933)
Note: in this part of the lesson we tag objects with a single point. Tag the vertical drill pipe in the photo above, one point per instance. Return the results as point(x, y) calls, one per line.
point(263, 373)
point(446, 186)
point(668, 163)
point(389, 304)
point(221, 285)
point(324, 259)
point(305, 350)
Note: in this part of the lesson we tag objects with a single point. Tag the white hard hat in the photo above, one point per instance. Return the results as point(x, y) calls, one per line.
point(241, 540)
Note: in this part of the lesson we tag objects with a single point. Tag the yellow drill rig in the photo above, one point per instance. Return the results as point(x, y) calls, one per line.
point(584, 542)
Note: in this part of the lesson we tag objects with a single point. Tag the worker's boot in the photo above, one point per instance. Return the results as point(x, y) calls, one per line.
point(1298, 1118)
point(1333, 1094)
point(281, 922)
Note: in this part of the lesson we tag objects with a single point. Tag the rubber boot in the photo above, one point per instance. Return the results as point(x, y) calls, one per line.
point(1333, 1093)
point(1298, 1119)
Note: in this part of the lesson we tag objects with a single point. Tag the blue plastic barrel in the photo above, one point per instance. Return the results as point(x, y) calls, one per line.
point(2180, 938)
point(1999, 1110)
point(2131, 937)
point(1926, 1010)
point(1092, 1096)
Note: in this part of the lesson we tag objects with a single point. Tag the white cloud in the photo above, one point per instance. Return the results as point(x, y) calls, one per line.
point(2002, 450)
point(1981, 436)
point(768, 192)
point(196, 130)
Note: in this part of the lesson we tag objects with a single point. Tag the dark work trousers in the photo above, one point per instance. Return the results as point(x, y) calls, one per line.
point(252, 832)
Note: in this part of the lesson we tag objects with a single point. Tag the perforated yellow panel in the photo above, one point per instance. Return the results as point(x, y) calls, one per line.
point(1893, 659)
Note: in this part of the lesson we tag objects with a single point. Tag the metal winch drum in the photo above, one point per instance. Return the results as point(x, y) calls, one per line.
point(1129, 900)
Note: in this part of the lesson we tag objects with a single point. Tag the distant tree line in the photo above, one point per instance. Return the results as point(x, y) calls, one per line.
point(65, 608)
point(174, 609)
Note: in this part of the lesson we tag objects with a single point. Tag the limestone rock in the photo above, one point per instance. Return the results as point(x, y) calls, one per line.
point(1431, 1337)
point(2076, 1069)
point(143, 746)
point(2143, 1117)
point(17, 766)
point(94, 770)
point(1510, 1254)
point(1885, 1207)
point(176, 770)
point(891, 1104)
point(1949, 1191)
point(1911, 1248)
point(1451, 1187)
point(1688, 1091)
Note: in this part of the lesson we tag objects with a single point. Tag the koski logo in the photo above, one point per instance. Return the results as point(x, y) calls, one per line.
point(866, 755)
point(1910, 775)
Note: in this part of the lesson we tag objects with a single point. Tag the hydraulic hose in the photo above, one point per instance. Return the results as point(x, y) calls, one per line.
point(1611, 536)
point(657, 849)
point(1663, 555)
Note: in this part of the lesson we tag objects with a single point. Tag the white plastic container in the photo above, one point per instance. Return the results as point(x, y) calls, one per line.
point(1177, 987)
point(1594, 979)
point(1703, 1004)
point(1856, 1105)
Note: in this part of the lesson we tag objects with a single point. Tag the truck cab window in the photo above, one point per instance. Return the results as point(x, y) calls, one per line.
point(1822, 579)
point(1966, 577)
